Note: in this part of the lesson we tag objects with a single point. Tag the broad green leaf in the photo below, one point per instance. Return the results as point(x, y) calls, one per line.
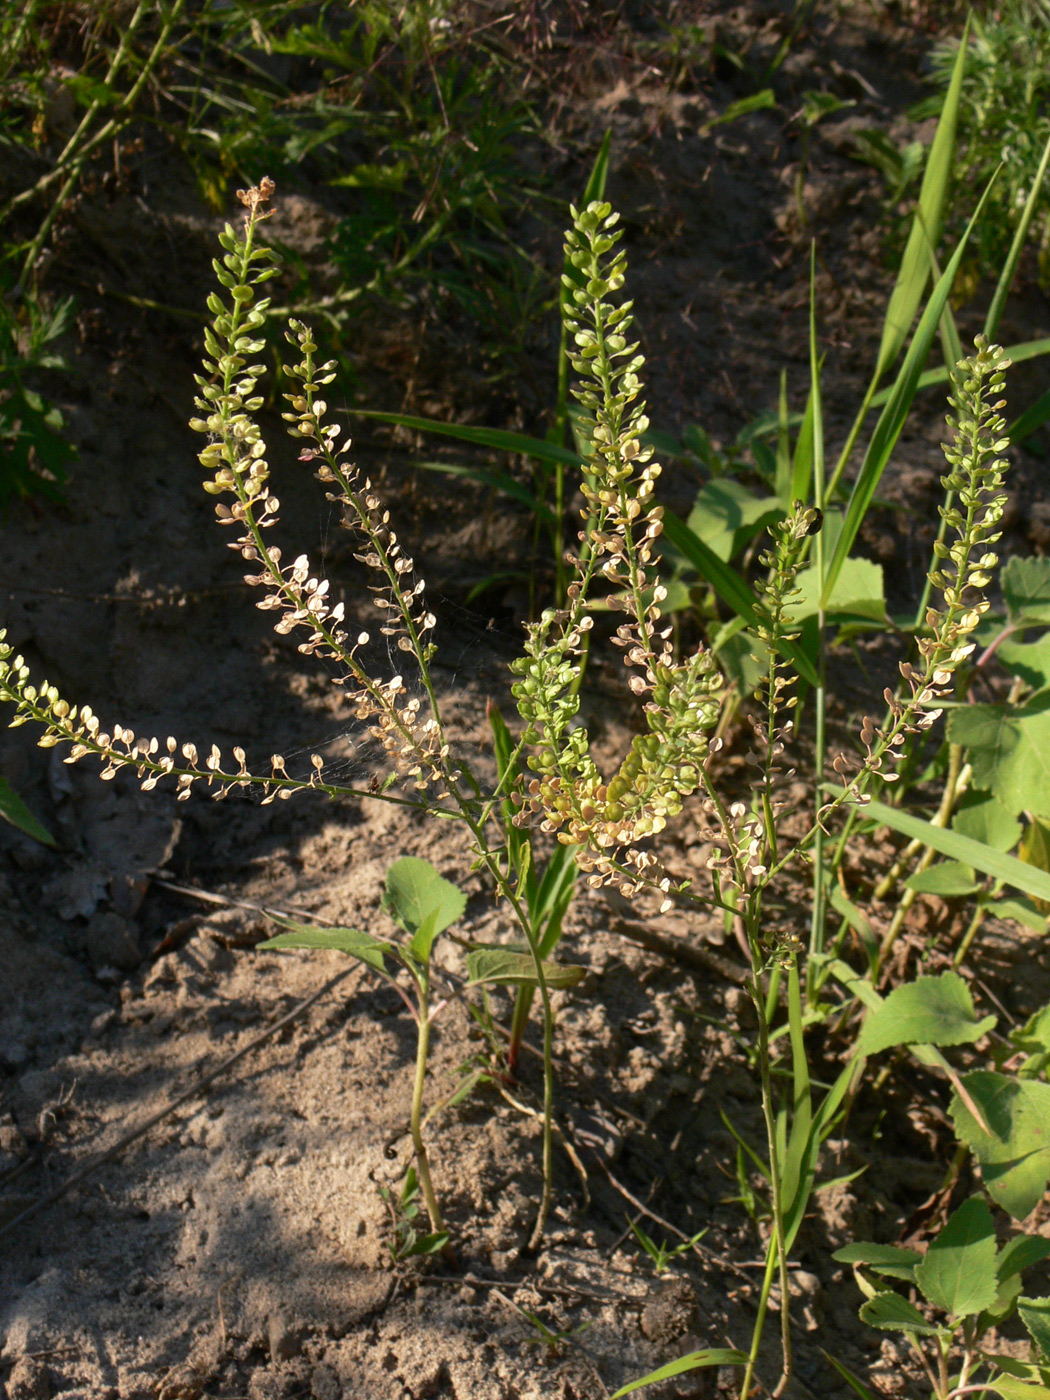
point(14, 810)
point(1034, 1035)
point(1035, 1314)
point(859, 592)
point(725, 510)
point(693, 1361)
point(1007, 869)
point(928, 1011)
point(358, 944)
point(958, 1272)
point(1023, 911)
point(982, 817)
point(891, 1313)
point(1015, 1154)
point(1011, 1389)
point(925, 231)
point(1025, 582)
point(1008, 747)
point(729, 586)
point(1019, 1254)
point(949, 879)
point(893, 416)
point(421, 900)
point(1029, 660)
point(513, 967)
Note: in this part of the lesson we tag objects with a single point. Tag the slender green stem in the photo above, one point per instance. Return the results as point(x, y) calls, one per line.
point(426, 1184)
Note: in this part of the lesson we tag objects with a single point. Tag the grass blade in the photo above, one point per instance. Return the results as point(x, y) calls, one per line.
point(1006, 277)
point(1008, 869)
point(926, 227)
point(498, 438)
point(892, 418)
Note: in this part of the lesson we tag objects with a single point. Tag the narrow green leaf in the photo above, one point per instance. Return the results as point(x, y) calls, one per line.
point(1031, 420)
point(498, 438)
point(1015, 1154)
point(958, 1272)
point(893, 416)
point(693, 1361)
point(509, 966)
point(1006, 276)
point(855, 1384)
point(926, 226)
point(360, 945)
point(1008, 869)
point(14, 810)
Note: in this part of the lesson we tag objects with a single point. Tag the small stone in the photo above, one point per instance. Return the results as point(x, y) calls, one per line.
point(286, 1340)
point(112, 942)
point(29, 1380)
point(102, 1022)
point(324, 1384)
point(670, 1310)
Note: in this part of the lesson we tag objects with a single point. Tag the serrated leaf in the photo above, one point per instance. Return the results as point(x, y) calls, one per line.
point(958, 1272)
point(891, 1313)
point(1029, 660)
point(14, 810)
point(693, 1361)
point(723, 509)
point(1015, 1153)
point(1025, 582)
point(949, 879)
point(354, 941)
point(859, 592)
point(423, 902)
point(1035, 1314)
point(509, 966)
point(1008, 747)
point(928, 1011)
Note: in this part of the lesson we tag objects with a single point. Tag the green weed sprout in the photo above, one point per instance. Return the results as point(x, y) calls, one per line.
point(968, 1286)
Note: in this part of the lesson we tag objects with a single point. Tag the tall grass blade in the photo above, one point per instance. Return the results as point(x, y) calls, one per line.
point(1006, 277)
point(498, 438)
point(926, 227)
point(1008, 869)
point(893, 416)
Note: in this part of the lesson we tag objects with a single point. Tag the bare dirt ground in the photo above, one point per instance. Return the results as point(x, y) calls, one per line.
point(240, 1246)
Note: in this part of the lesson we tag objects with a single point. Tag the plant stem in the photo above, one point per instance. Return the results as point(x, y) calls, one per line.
point(426, 1183)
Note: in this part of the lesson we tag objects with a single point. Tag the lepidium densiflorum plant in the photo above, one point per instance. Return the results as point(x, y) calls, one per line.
point(613, 822)
point(406, 726)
